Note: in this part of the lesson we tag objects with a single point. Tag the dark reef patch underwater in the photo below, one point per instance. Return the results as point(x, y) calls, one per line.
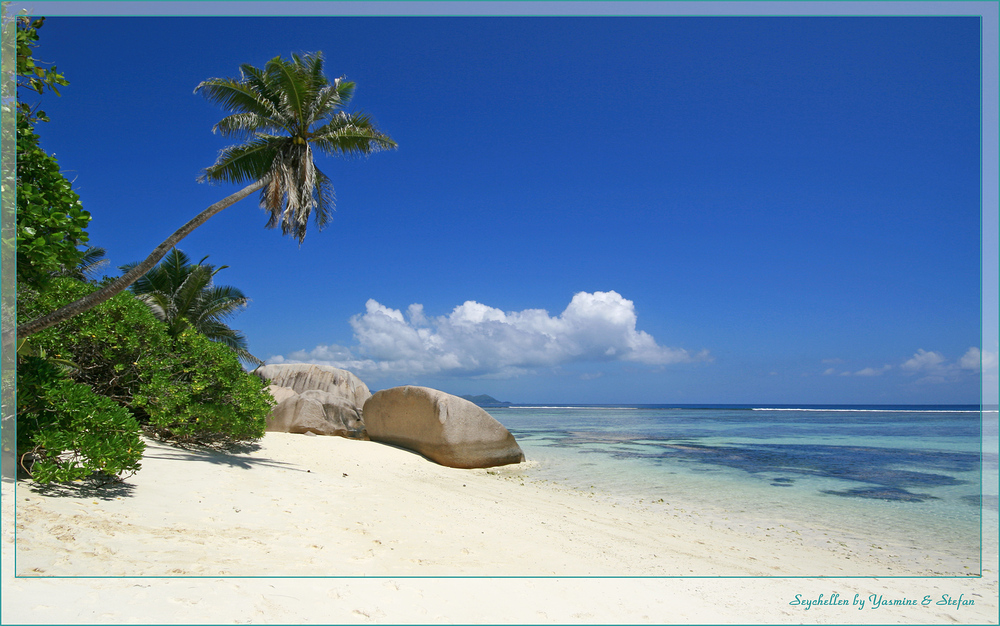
point(784, 444)
point(877, 466)
point(890, 475)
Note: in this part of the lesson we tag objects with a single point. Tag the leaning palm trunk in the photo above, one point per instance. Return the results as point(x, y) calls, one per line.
point(121, 284)
point(296, 101)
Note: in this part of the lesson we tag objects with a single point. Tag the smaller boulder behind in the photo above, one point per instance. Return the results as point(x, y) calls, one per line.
point(315, 399)
point(306, 376)
point(318, 412)
point(281, 393)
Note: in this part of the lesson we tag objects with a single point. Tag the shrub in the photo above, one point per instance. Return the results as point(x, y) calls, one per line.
point(67, 432)
point(186, 388)
point(201, 393)
point(51, 221)
point(112, 344)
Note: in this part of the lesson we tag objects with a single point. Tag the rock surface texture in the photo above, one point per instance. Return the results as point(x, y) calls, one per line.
point(315, 399)
point(281, 393)
point(318, 412)
point(444, 428)
point(305, 376)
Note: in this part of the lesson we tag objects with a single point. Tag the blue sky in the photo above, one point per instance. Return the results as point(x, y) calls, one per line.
point(628, 209)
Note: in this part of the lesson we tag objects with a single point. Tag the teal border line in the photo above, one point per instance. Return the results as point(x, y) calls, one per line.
point(503, 8)
point(8, 157)
point(989, 80)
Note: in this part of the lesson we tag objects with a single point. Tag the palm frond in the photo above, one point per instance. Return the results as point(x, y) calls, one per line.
point(244, 162)
point(234, 340)
point(248, 125)
point(331, 99)
point(326, 103)
point(219, 332)
point(345, 91)
point(176, 264)
point(188, 293)
point(128, 267)
point(159, 304)
point(289, 197)
point(182, 295)
point(235, 95)
point(92, 260)
point(276, 109)
point(288, 80)
point(244, 355)
point(162, 277)
point(325, 200)
point(314, 71)
point(217, 304)
point(351, 134)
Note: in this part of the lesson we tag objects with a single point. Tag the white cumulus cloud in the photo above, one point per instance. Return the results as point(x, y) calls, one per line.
point(923, 360)
point(480, 340)
point(975, 360)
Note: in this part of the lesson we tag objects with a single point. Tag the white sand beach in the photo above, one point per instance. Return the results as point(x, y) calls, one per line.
point(305, 529)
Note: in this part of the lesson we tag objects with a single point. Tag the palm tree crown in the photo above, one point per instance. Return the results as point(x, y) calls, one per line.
point(281, 112)
point(183, 295)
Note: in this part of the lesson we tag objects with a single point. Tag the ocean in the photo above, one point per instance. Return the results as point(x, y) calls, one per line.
point(898, 478)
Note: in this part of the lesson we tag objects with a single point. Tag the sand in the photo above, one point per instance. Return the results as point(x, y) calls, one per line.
point(301, 529)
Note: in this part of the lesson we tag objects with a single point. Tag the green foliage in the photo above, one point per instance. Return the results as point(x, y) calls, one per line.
point(282, 112)
point(183, 295)
point(30, 71)
point(201, 393)
point(86, 385)
point(112, 345)
point(67, 432)
point(183, 388)
point(51, 222)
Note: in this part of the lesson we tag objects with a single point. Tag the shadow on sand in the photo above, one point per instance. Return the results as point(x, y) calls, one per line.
point(233, 455)
point(104, 487)
point(94, 488)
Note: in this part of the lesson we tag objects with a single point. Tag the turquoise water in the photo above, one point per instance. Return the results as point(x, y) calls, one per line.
point(901, 475)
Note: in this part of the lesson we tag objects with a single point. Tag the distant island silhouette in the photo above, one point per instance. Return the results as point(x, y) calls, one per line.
point(484, 400)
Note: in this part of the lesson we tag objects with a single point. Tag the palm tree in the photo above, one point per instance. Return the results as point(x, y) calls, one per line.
point(91, 260)
point(280, 112)
point(183, 296)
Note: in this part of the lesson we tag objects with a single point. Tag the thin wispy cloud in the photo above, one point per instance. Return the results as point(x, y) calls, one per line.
point(873, 371)
point(868, 371)
point(929, 365)
point(934, 368)
point(479, 340)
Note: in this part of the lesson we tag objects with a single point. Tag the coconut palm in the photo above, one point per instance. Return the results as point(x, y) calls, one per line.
point(91, 260)
point(183, 295)
point(280, 112)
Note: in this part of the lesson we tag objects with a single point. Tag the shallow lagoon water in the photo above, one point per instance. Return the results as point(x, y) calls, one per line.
point(903, 476)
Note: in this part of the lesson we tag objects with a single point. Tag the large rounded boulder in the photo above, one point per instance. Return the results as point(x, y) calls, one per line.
point(444, 428)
